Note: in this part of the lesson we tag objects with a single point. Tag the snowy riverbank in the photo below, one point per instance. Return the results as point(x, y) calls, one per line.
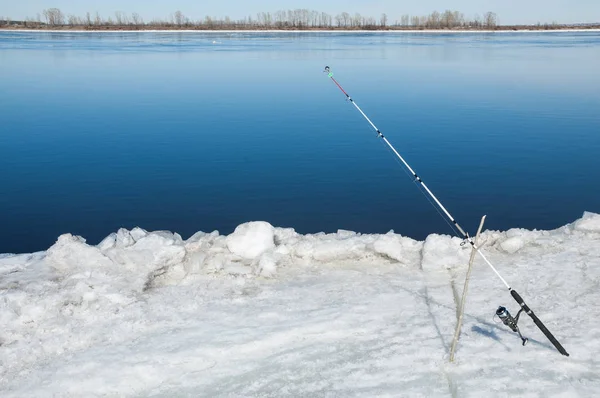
point(268, 312)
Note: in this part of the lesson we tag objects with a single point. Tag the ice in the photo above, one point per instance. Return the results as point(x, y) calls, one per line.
point(267, 266)
point(513, 244)
point(440, 254)
point(590, 222)
point(251, 239)
point(265, 311)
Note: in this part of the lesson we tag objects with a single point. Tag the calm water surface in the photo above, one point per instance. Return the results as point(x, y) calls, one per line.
point(201, 131)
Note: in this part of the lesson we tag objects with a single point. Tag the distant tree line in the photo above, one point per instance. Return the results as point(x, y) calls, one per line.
point(290, 19)
point(298, 19)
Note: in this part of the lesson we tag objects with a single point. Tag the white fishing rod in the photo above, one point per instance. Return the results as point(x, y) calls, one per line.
point(502, 313)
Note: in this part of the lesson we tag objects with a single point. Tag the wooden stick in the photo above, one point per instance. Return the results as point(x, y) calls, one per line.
point(464, 295)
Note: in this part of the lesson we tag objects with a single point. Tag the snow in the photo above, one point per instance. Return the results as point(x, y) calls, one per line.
point(266, 311)
point(251, 239)
point(590, 222)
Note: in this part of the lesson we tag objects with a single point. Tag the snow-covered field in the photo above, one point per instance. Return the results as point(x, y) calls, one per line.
point(268, 312)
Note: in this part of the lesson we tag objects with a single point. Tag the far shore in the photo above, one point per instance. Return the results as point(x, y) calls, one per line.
point(170, 30)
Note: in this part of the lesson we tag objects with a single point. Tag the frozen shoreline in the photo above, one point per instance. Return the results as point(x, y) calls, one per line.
point(265, 311)
point(115, 237)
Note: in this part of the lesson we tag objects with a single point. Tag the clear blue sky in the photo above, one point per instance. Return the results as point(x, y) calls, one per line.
point(509, 11)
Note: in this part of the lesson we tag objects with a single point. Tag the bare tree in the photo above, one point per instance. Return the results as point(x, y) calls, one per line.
point(325, 20)
point(315, 18)
point(54, 17)
point(346, 18)
point(384, 19)
point(304, 15)
point(404, 20)
point(178, 18)
point(342, 20)
point(280, 19)
point(119, 18)
point(136, 19)
point(358, 20)
point(490, 19)
point(447, 19)
point(264, 19)
point(369, 23)
point(459, 18)
point(434, 20)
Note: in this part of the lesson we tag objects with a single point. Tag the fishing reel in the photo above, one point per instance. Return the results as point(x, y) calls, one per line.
point(511, 322)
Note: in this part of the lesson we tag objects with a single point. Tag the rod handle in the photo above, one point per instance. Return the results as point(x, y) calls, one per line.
point(539, 323)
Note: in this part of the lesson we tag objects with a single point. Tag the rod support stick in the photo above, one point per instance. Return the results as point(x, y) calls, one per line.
point(463, 300)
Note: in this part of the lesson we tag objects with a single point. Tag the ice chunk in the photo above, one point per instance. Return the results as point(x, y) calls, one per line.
point(327, 248)
point(196, 237)
point(444, 252)
point(286, 234)
point(71, 252)
point(194, 262)
point(590, 222)
point(155, 240)
point(251, 239)
point(108, 243)
point(389, 245)
point(267, 266)
point(138, 233)
point(124, 238)
point(512, 245)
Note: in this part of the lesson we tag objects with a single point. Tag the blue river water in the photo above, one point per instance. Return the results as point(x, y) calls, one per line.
point(197, 131)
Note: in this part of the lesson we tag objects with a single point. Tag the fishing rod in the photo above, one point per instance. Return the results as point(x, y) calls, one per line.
point(504, 315)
